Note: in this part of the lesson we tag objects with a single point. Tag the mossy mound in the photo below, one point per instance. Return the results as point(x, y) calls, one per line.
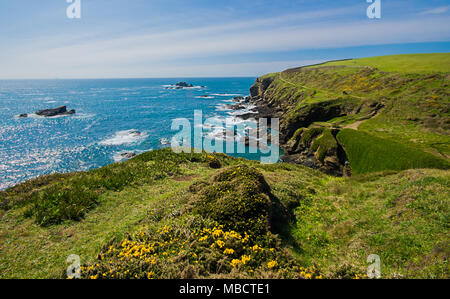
point(239, 198)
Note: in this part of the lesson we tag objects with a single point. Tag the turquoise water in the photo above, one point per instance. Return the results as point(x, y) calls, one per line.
point(108, 111)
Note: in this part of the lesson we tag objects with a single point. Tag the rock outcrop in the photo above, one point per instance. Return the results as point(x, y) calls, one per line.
point(128, 155)
point(183, 84)
point(55, 112)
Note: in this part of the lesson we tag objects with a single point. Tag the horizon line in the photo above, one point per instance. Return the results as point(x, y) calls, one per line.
point(217, 77)
point(125, 78)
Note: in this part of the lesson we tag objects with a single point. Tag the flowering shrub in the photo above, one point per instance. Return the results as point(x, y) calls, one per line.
point(176, 251)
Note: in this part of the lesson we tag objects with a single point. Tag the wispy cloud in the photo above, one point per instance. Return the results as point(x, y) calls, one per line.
point(437, 11)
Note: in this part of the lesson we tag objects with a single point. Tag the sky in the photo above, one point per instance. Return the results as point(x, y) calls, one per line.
point(207, 38)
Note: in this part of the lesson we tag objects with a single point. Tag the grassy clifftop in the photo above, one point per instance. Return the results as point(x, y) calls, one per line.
point(401, 99)
point(410, 63)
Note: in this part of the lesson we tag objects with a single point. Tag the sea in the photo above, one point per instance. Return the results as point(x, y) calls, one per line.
point(109, 112)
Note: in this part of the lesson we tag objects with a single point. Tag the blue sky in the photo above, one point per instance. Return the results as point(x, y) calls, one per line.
point(196, 38)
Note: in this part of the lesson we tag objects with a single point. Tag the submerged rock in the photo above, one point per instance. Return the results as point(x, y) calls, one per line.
point(55, 112)
point(135, 133)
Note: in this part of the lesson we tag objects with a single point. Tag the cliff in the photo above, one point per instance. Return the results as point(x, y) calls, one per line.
point(406, 109)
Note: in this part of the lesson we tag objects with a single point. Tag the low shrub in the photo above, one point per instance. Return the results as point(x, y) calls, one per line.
point(237, 197)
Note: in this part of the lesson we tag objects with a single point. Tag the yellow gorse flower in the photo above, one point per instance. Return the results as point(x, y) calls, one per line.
point(220, 243)
point(272, 264)
point(234, 263)
point(245, 259)
point(228, 251)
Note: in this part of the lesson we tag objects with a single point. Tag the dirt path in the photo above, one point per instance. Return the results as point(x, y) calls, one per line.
point(356, 124)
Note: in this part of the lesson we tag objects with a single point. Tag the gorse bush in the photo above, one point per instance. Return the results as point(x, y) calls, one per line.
point(20, 194)
point(58, 203)
point(237, 197)
point(195, 247)
point(222, 233)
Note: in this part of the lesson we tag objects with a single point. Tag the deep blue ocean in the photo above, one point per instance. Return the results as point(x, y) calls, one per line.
point(107, 112)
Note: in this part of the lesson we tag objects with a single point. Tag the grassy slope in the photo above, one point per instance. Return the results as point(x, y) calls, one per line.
point(403, 217)
point(368, 153)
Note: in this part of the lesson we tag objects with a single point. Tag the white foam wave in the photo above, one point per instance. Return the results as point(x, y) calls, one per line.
point(204, 97)
point(164, 141)
point(241, 112)
point(125, 137)
point(223, 107)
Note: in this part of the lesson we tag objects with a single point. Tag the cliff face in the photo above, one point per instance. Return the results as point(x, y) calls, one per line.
point(314, 104)
point(312, 147)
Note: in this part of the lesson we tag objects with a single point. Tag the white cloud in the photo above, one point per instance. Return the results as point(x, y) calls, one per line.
point(437, 11)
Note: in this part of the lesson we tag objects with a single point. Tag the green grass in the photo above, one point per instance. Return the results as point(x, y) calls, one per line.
point(367, 153)
point(410, 63)
point(71, 197)
point(403, 217)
